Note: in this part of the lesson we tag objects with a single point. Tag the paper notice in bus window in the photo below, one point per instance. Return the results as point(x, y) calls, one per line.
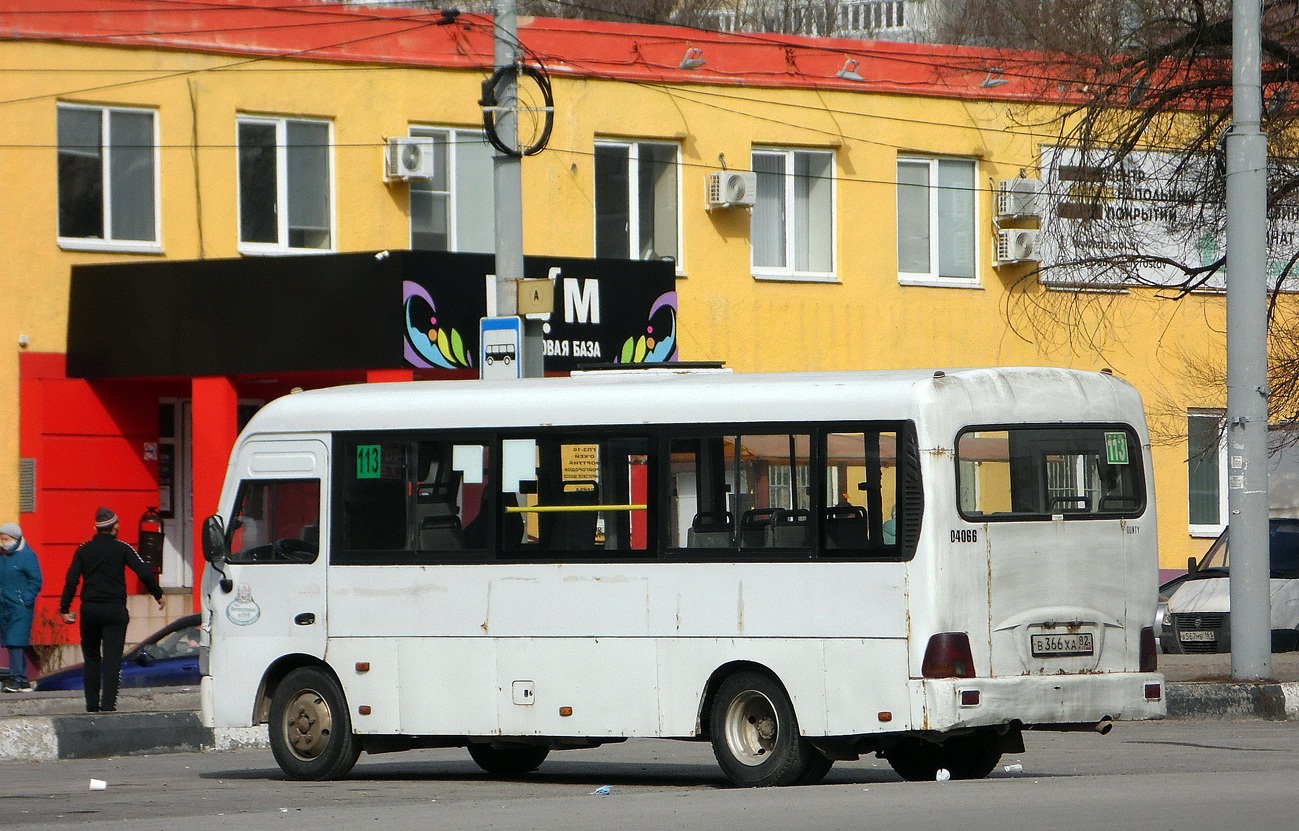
point(369, 459)
point(468, 459)
point(1116, 448)
point(580, 463)
point(518, 463)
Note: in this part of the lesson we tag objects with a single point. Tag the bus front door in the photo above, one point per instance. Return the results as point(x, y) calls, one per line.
point(276, 603)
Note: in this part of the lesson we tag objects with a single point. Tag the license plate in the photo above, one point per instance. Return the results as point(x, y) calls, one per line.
point(1200, 636)
point(1062, 646)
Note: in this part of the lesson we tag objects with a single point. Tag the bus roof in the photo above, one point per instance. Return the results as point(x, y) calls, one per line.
point(667, 396)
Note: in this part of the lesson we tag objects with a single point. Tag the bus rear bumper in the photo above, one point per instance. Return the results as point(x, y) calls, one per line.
point(1045, 702)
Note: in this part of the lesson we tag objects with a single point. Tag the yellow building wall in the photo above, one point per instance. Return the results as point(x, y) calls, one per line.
point(863, 320)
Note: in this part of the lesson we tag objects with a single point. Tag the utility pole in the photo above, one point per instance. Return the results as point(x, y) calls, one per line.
point(507, 170)
point(507, 183)
point(1246, 430)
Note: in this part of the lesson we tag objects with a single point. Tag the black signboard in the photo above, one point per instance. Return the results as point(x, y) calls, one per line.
point(372, 310)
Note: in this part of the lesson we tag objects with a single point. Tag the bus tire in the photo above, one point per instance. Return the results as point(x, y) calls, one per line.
point(508, 761)
point(310, 729)
point(818, 767)
point(755, 734)
point(964, 757)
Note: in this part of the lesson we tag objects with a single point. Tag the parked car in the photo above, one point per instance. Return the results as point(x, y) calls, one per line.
point(1197, 613)
point(168, 657)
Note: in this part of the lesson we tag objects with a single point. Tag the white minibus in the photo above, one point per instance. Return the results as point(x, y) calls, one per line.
point(798, 568)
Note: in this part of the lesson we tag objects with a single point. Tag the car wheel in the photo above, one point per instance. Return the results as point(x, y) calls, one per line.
point(755, 734)
point(310, 729)
point(508, 761)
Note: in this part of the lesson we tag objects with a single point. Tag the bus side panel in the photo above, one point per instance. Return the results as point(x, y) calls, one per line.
point(808, 600)
point(448, 686)
point(756, 600)
point(610, 684)
point(368, 669)
point(864, 681)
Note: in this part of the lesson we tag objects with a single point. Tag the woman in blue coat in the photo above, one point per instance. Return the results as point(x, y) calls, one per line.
point(20, 583)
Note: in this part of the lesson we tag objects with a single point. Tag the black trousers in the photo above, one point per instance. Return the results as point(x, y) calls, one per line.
point(103, 632)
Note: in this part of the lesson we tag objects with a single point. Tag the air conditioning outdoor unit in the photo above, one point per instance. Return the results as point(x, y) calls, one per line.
point(1017, 245)
point(1019, 197)
point(408, 157)
point(732, 189)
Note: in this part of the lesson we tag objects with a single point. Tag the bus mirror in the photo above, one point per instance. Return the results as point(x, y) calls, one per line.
point(1192, 565)
point(214, 539)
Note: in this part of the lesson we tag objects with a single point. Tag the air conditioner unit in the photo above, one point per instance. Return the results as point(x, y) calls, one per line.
point(1019, 197)
point(732, 189)
point(1017, 245)
point(408, 157)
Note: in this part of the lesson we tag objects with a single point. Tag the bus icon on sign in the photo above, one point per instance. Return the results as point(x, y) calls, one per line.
point(503, 352)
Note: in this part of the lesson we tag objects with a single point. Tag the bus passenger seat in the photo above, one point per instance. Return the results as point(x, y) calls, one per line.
point(711, 530)
point(846, 527)
point(756, 527)
point(789, 530)
point(441, 533)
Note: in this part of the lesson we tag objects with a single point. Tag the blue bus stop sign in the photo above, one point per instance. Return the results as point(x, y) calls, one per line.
point(500, 348)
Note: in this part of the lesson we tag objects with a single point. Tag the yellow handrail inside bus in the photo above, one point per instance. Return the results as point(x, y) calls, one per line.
point(565, 509)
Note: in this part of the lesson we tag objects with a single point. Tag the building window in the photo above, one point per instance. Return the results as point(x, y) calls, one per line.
point(108, 178)
point(1206, 472)
point(792, 226)
point(636, 198)
point(456, 209)
point(936, 221)
point(284, 185)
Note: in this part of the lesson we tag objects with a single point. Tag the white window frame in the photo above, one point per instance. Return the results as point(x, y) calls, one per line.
point(451, 138)
point(633, 148)
point(106, 242)
point(282, 187)
point(789, 272)
point(937, 227)
point(1209, 529)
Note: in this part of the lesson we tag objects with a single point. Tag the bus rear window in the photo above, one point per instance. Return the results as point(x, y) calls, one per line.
point(1075, 471)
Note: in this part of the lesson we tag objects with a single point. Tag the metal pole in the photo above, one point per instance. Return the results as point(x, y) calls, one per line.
point(1246, 433)
point(508, 189)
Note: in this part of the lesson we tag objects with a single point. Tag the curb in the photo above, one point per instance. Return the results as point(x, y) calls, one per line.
point(1275, 702)
point(50, 738)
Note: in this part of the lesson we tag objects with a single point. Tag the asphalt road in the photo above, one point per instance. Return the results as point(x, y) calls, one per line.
point(1154, 776)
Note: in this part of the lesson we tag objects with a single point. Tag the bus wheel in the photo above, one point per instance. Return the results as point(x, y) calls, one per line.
point(964, 757)
point(310, 730)
point(818, 766)
point(508, 761)
point(755, 734)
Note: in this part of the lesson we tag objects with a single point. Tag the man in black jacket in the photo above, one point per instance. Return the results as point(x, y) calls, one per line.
point(101, 564)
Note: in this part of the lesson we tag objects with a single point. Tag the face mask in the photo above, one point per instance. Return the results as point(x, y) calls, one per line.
point(9, 546)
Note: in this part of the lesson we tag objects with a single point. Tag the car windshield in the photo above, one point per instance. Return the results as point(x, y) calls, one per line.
point(1283, 549)
point(176, 644)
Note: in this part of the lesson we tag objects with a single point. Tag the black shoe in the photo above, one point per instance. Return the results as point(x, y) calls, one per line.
point(15, 687)
point(92, 709)
point(108, 710)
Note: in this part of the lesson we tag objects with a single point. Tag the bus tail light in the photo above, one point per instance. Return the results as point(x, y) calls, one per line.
point(948, 655)
point(1149, 655)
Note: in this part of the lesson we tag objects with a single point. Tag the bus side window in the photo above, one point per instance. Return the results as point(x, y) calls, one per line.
point(575, 495)
point(374, 498)
point(699, 515)
point(861, 492)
